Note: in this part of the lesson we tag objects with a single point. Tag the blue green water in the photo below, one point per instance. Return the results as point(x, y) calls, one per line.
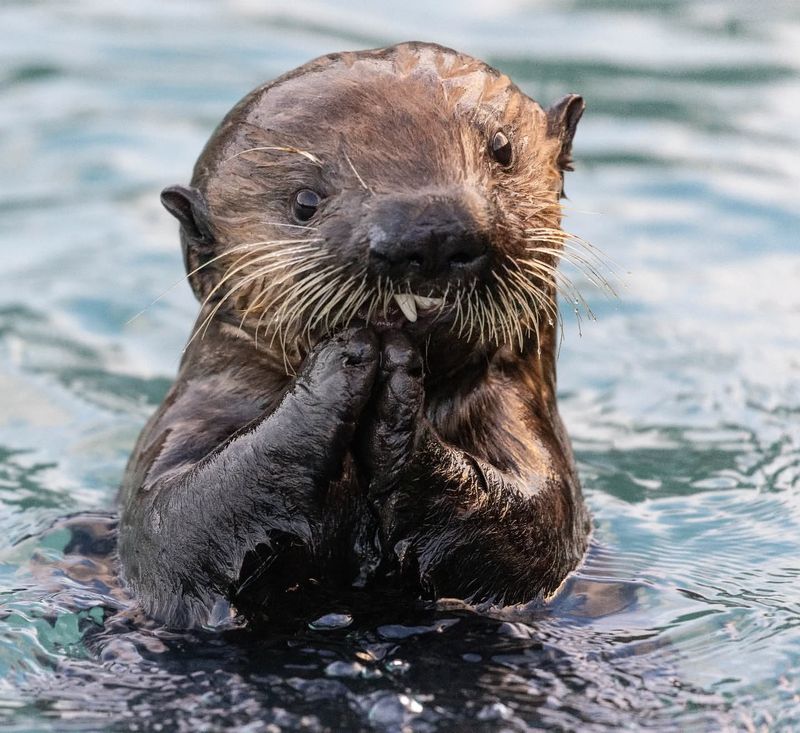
point(682, 399)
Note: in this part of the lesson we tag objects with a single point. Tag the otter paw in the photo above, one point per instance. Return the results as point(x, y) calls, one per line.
point(387, 436)
point(339, 373)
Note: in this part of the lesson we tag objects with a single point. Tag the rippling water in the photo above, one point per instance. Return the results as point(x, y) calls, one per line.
point(683, 398)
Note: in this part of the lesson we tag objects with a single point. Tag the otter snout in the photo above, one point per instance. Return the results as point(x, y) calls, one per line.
point(426, 237)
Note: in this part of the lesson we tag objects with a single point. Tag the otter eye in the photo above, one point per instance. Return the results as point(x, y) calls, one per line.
point(501, 149)
point(305, 204)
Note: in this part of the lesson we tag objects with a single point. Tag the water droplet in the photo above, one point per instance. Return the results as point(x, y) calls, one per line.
point(344, 669)
point(398, 665)
point(331, 621)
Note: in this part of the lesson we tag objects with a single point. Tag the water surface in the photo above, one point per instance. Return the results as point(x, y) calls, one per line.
point(682, 399)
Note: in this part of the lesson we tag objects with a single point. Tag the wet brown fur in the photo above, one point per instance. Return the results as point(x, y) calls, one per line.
point(244, 190)
point(361, 125)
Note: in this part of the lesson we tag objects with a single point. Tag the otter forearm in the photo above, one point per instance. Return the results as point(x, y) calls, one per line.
point(183, 541)
point(457, 525)
point(184, 535)
point(469, 531)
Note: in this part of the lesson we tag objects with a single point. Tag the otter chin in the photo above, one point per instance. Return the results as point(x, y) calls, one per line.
point(367, 402)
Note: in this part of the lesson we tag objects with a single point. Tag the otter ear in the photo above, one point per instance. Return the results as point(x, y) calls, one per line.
point(189, 207)
point(562, 119)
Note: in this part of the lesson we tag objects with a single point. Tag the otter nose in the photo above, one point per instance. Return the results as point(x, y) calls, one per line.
point(432, 239)
point(433, 253)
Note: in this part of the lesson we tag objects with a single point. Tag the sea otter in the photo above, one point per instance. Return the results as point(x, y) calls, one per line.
point(367, 403)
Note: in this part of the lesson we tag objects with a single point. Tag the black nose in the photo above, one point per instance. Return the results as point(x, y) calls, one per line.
point(426, 236)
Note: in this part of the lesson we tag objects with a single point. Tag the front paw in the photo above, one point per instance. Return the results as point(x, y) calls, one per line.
point(393, 421)
point(308, 435)
point(338, 374)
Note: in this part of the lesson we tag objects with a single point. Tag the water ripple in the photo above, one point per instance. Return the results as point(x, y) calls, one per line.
point(683, 399)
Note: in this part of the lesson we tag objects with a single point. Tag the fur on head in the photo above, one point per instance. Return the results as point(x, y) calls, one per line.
point(409, 187)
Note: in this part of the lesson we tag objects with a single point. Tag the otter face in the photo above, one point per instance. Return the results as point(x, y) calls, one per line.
point(411, 187)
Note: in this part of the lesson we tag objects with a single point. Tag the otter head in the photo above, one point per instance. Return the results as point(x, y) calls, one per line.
point(411, 187)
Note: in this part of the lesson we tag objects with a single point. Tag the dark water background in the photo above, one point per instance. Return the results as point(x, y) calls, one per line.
point(683, 399)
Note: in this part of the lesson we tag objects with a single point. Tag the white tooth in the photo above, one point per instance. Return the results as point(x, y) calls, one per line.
point(406, 303)
point(423, 302)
